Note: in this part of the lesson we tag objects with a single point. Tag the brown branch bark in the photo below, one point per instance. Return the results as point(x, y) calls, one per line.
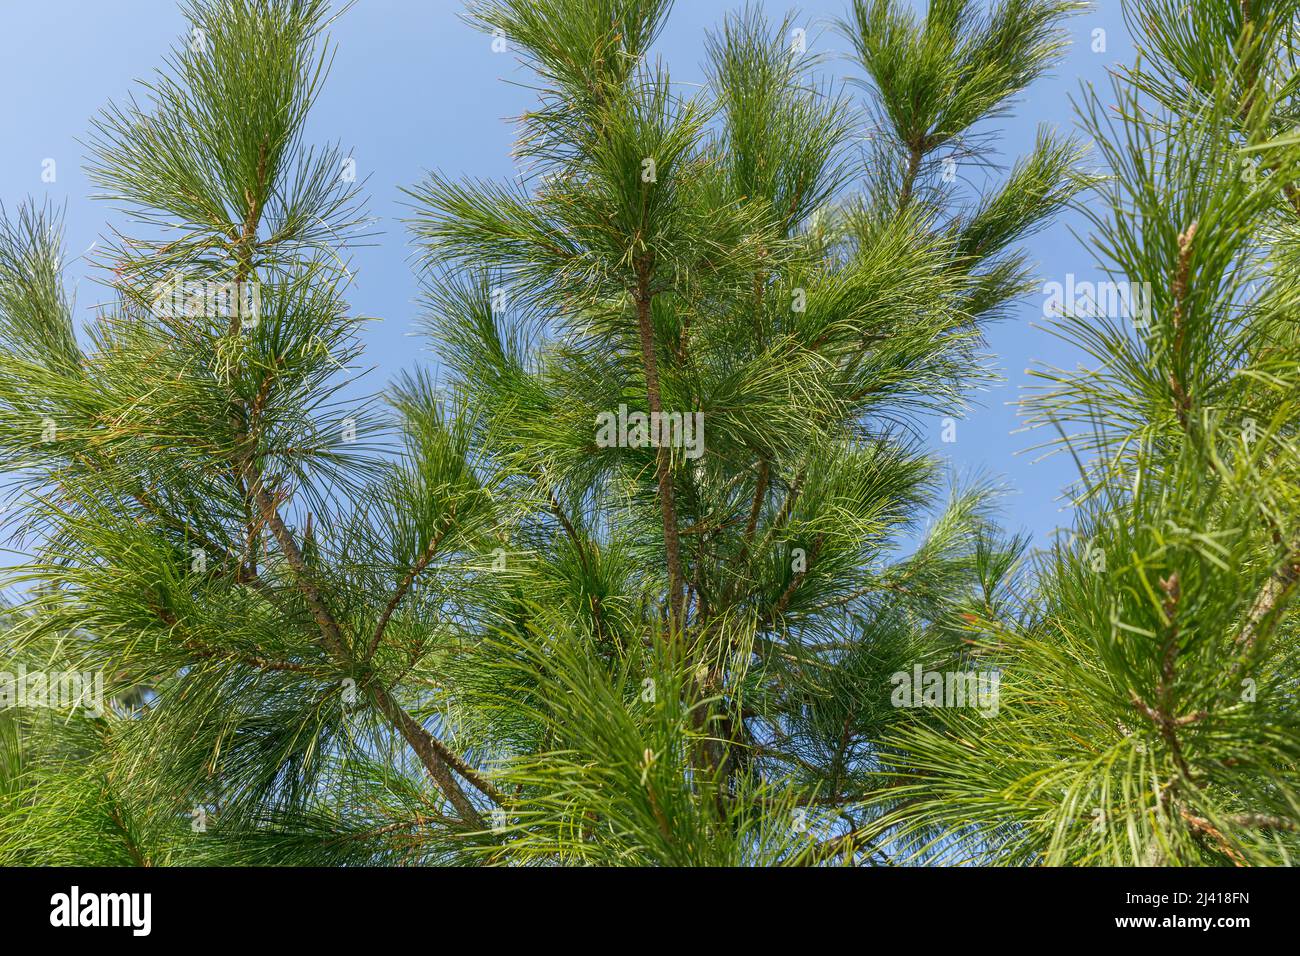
point(1204, 826)
point(1182, 401)
point(421, 563)
point(663, 460)
point(1277, 589)
point(914, 155)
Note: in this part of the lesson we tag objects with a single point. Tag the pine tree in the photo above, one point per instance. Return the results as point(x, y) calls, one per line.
point(627, 581)
point(1148, 710)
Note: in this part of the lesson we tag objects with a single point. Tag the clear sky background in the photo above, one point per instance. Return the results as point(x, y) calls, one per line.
point(414, 88)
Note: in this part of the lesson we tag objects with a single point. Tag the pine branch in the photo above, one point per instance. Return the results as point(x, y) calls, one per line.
point(407, 581)
point(430, 751)
point(663, 458)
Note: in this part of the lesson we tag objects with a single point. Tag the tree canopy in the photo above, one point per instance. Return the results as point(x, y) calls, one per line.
point(655, 568)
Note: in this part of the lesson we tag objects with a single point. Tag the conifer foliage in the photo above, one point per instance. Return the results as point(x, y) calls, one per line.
point(633, 574)
point(1148, 709)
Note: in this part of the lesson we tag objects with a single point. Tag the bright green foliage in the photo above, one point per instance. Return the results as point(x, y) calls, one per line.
point(1148, 710)
point(454, 626)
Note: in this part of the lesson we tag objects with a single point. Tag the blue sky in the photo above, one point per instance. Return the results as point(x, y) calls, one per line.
point(414, 88)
